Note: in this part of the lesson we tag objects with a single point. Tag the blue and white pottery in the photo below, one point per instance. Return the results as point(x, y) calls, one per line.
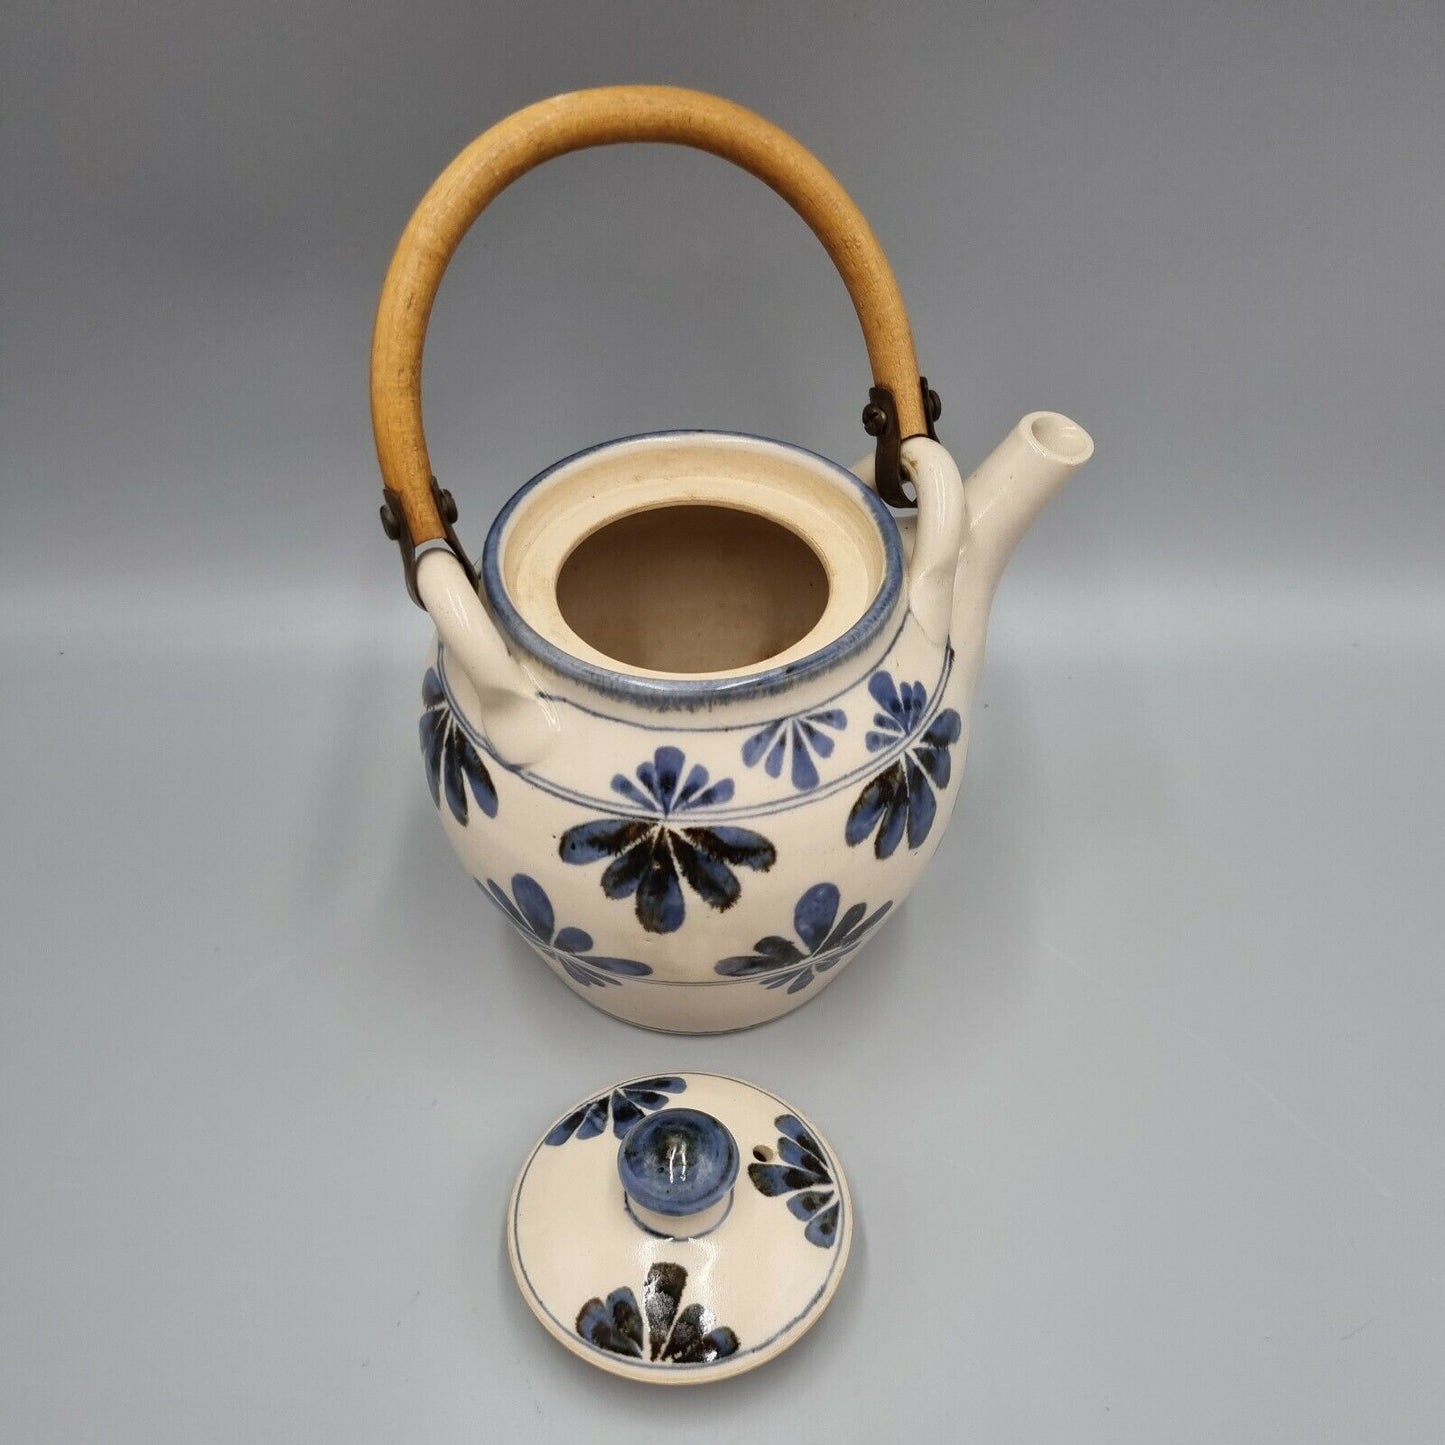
point(740, 830)
point(680, 1228)
point(697, 722)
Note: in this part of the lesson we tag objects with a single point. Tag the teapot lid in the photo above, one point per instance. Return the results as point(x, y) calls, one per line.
point(679, 1228)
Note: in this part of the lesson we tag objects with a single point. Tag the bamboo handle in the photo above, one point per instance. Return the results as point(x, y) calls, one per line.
point(610, 115)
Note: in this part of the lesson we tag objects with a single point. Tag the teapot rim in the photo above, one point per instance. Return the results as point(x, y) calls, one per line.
point(684, 690)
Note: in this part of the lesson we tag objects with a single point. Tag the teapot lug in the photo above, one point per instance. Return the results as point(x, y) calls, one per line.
point(518, 721)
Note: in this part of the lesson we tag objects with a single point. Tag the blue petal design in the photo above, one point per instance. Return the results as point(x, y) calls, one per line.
point(805, 771)
point(564, 1129)
point(629, 790)
point(792, 1127)
point(647, 854)
point(614, 1326)
point(710, 878)
point(621, 877)
point(433, 728)
point(660, 907)
point(775, 758)
point(805, 734)
point(660, 776)
point(574, 940)
point(584, 1123)
point(531, 914)
point(453, 764)
point(696, 782)
point(779, 962)
point(646, 1097)
point(883, 692)
point(772, 954)
point(791, 1151)
point(720, 792)
point(719, 1343)
point(895, 815)
point(914, 700)
point(452, 777)
point(779, 951)
point(758, 744)
point(624, 1114)
point(504, 903)
point(921, 805)
point(814, 914)
point(935, 762)
point(594, 1121)
point(805, 1177)
point(804, 1206)
point(692, 1337)
point(579, 975)
point(638, 1098)
point(604, 838)
point(816, 738)
point(738, 846)
point(846, 931)
point(688, 1345)
point(778, 1179)
point(901, 797)
point(535, 907)
point(865, 813)
point(477, 776)
point(627, 967)
point(945, 729)
point(822, 1230)
point(932, 753)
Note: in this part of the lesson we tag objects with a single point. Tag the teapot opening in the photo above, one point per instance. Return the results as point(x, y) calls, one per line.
point(679, 569)
point(692, 588)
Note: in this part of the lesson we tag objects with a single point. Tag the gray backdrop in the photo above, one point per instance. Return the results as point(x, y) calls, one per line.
point(1141, 1096)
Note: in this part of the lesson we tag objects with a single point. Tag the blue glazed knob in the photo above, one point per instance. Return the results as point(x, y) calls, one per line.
point(677, 1164)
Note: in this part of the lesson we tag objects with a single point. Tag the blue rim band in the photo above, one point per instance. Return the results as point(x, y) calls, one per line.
point(691, 692)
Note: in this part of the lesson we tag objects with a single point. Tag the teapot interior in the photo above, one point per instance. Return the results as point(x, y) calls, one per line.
point(692, 588)
point(693, 564)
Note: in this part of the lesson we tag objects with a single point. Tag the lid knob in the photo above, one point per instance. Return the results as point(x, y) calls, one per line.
point(678, 1167)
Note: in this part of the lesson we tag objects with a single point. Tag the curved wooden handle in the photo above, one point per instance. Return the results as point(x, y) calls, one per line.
point(610, 115)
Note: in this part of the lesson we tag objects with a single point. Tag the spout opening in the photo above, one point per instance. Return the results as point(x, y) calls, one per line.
point(1058, 438)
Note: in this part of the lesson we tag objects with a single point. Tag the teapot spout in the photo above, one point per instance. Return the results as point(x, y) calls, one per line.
point(1004, 496)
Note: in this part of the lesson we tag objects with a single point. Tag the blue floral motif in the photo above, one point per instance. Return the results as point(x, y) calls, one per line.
point(627, 1104)
point(691, 1338)
point(530, 910)
point(450, 756)
point(778, 961)
point(803, 1174)
point(903, 792)
point(648, 855)
point(806, 735)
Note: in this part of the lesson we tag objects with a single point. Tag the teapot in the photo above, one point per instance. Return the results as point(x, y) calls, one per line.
point(695, 723)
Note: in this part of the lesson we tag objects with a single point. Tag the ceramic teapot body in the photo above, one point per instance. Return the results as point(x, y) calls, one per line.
point(698, 725)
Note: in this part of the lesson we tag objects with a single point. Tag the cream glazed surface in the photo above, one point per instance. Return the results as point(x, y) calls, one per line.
point(705, 851)
point(680, 1228)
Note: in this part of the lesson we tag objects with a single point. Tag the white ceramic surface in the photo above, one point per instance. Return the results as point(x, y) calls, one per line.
point(689, 1307)
point(701, 852)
